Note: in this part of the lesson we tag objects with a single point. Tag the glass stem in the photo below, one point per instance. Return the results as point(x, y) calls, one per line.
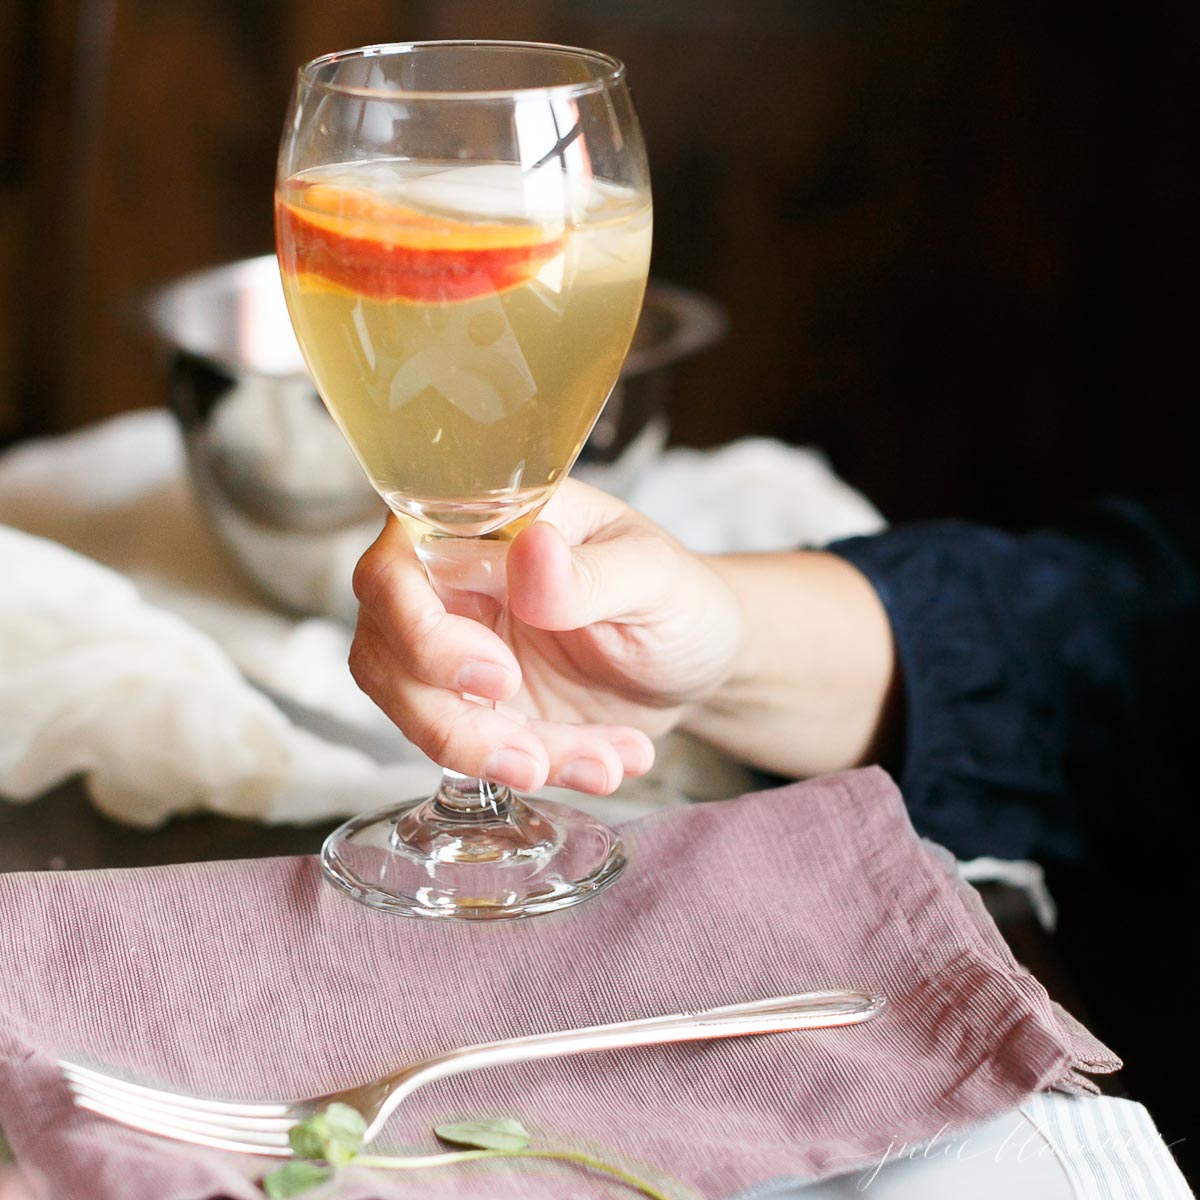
point(458, 567)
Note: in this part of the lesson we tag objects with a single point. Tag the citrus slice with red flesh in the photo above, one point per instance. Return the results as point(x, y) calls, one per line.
point(357, 241)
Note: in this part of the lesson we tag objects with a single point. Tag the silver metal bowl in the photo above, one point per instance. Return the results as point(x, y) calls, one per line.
point(274, 476)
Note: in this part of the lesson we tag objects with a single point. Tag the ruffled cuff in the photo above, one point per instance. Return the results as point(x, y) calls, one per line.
point(984, 724)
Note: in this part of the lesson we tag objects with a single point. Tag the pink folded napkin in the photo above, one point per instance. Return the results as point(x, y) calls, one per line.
point(256, 979)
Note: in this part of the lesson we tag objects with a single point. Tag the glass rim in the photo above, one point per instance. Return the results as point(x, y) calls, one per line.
point(613, 75)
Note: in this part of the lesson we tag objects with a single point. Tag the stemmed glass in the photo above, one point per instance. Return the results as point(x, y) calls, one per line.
point(464, 238)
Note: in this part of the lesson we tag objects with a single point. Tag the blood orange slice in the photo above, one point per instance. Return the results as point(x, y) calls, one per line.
point(352, 239)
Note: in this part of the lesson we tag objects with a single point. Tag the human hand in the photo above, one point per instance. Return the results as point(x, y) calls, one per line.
point(611, 630)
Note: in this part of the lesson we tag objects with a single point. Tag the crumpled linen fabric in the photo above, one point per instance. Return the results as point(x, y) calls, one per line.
point(117, 493)
point(152, 713)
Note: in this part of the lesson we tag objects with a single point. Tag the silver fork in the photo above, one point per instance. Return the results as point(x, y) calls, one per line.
point(249, 1127)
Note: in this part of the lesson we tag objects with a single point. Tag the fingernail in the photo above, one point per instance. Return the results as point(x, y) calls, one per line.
point(584, 775)
point(635, 757)
point(483, 679)
point(513, 767)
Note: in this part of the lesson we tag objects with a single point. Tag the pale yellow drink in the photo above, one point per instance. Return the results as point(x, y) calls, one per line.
point(463, 326)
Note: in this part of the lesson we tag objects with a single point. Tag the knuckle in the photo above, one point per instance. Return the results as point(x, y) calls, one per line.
point(440, 739)
point(420, 635)
point(362, 663)
point(590, 593)
point(370, 575)
point(411, 632)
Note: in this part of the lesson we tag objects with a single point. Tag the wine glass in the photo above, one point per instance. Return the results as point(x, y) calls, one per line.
point(464, 238)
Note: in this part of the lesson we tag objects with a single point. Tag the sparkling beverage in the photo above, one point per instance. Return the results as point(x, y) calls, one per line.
point(463, 323)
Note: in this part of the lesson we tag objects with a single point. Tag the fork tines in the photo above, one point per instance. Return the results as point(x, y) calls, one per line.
point(242, 1127)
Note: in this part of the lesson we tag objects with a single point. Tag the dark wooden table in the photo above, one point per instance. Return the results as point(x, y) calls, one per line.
point(61, 831)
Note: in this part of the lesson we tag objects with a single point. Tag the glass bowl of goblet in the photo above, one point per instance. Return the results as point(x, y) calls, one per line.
point(463, 231)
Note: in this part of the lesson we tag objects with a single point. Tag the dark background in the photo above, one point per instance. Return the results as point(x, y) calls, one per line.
point(953, 238)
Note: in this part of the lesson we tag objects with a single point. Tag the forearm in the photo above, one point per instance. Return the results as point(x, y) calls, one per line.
point(813, 687)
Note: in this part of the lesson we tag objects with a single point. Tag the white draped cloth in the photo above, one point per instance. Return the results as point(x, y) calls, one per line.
point(133, 654)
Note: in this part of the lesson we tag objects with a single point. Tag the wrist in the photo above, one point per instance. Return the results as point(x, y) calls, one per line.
point(812, 685)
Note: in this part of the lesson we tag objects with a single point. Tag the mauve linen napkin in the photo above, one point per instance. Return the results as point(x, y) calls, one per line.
point(254, 978)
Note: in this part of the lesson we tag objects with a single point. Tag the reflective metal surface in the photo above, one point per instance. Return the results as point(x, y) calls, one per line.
point(262, 1128)
point(273, 473)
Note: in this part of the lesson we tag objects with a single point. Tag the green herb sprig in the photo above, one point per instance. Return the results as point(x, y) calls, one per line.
point(334, 1137)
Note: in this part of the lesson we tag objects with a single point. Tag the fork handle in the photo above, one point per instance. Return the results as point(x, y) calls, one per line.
point(811, 1010)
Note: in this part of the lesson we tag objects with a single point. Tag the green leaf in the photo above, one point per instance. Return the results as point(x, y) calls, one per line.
point(307, 1139)
point(294, 1178)
point(345, 1130)
point(334, 1135)
point(499, 1134)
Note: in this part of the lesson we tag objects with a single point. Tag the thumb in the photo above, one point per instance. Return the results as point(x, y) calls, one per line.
point(621, 576)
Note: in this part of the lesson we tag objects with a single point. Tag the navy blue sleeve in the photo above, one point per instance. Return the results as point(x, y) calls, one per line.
point(1049, 678)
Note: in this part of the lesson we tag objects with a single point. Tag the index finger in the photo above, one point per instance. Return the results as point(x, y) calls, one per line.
point(445, 649)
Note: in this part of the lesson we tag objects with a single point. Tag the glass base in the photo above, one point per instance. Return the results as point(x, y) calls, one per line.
point(517, 859)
